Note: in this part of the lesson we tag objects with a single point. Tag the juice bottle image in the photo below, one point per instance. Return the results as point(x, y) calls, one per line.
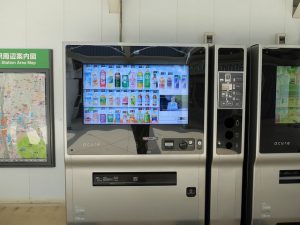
point(140, 99)
point(147, 99)
point(102, 78)
point(132, 99)
point(117, 80)
point(147, 79)
point(102, 99)
point(110, 79)
point(169, 80)
point(125, 81)
point(162, 80)
point(140, 80)
point(176, 81)
point(132, 80)
point(147, 117)
point(154, 80)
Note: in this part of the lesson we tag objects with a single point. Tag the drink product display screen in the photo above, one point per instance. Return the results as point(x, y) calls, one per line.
point(287, 109)
point(135, 94)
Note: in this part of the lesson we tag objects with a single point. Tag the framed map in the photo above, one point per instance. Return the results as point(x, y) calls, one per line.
point(26, 123)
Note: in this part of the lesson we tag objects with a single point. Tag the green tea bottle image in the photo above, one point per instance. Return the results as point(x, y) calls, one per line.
point(147, 79)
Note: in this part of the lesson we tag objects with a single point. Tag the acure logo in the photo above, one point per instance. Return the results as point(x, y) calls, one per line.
point(282, 143)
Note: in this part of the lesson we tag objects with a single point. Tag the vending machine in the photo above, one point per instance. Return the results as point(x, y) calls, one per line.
point(227, 83)
point(272, 178)
point(135, 134)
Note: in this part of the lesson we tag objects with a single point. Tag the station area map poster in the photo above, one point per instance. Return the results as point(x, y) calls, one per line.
point(23, 119)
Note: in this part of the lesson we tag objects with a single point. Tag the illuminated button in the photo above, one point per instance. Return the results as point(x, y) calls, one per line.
point(190, 142)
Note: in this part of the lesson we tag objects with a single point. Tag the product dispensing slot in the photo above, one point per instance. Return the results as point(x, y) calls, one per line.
point(135, 179)
point(289, 176)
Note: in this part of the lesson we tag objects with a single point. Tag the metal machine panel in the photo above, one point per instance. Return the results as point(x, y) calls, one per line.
point(271, 193)
point(226, 128)
point(133, 173)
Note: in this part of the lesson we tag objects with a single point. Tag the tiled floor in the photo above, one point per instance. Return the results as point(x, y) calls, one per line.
point(32, 214)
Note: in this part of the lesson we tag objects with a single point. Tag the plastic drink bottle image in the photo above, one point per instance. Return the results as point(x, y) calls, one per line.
point(102, 100)
point(147, 79)
point(110, 100)
point(95, 80)
point(132, 99)
point(183, 81)
point(154, 117)
point(147, 117)
point(140, 100)
point(125, 81)
point(102, 78)
point(140, 80)
point(147, 99)
point(139, 116)
point(154, 100)
point(132, 80)
point(110, 79)
point(117, 116)
point(169, 80)
point(110, 118)
point(154, 80)
point(162, 80)
point(117, 80)
point(176, 81)
point(102, 118)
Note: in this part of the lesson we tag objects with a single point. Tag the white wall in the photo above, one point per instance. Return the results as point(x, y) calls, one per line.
point(47, 23)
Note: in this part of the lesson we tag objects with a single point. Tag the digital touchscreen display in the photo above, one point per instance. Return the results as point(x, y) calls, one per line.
point(135, 94)
point(287, 109)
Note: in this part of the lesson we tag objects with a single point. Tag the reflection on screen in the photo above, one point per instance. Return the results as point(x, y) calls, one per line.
point(287, 95)
point(135, 94)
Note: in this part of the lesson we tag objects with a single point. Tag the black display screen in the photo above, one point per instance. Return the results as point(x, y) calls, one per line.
point(280, 96)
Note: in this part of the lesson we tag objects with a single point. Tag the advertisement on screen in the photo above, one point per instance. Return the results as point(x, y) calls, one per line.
point(287, 110)
point(135, 94)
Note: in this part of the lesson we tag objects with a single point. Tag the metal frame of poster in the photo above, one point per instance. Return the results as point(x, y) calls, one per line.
point(37, 146)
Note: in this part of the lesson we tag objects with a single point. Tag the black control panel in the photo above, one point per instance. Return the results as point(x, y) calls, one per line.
point(135, 179)
point(181, 144)
point(230, 90)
